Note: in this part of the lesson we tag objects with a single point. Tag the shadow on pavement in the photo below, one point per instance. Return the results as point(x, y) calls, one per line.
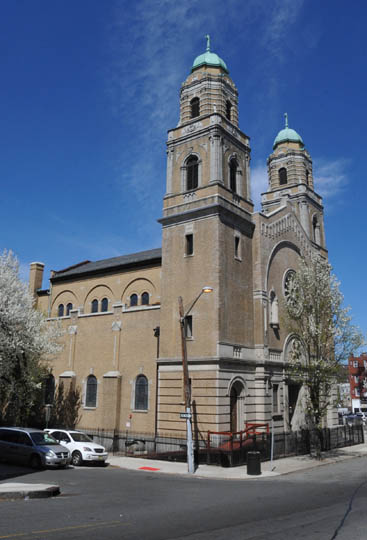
point(8, 470)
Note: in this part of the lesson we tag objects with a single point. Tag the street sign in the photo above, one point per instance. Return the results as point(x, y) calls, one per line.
point(185, 415)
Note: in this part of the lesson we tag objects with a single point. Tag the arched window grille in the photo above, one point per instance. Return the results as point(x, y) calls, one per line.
point(141, 393)
point(133, 300)
point(195, 107)
point(282, 176)
point(233, 174)
point(69, 307)
point(60, 310)
point(91, 392)
point(145, 299)
point(95, 306)
point(104, 304)
point(192, 172)
point(49, 387)
point(228, 109)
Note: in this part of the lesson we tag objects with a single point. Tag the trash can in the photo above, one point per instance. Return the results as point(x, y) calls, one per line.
point(253, 463)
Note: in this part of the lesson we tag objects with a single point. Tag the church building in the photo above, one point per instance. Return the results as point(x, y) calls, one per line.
point(122, 341)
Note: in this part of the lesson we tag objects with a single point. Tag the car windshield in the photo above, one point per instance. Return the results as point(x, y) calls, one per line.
point(80, 437)
point(41, 438)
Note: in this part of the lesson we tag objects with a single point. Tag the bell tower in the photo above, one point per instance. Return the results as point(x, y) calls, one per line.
point(290, 180)
point(207, 228)
point(207, 148)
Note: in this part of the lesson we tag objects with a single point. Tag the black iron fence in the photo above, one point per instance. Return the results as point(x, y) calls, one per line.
point(224, 449)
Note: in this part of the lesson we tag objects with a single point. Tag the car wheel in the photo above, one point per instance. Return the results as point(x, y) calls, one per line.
point(35, 462)
point(76, 459)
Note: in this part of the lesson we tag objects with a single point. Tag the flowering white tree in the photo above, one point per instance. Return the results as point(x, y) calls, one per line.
point(26, 340)
point(324, 335)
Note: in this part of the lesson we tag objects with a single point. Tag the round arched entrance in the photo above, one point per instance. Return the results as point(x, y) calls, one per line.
point(236, 398)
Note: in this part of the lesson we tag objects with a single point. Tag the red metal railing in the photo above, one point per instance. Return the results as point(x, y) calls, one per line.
point(237, 438)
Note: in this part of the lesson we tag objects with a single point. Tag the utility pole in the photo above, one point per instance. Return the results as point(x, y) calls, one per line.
point(186, 380)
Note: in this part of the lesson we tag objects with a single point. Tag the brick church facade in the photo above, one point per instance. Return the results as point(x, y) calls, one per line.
point(122, 334)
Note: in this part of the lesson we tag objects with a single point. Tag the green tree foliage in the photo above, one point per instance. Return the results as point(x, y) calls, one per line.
point(323, 335)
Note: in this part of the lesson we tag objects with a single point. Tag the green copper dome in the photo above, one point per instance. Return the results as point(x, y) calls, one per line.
point(287, 135)
point(208, 59)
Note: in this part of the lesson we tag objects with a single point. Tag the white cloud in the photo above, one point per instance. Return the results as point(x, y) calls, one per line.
point(153, 45)
point(282, 14)
point(330, 177)
point(259, 184)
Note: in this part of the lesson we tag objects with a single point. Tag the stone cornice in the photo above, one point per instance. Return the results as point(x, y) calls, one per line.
point(241, 222)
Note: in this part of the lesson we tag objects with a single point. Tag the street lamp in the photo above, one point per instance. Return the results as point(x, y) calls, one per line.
point(186, 381)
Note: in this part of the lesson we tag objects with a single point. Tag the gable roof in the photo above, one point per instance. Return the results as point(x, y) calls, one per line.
point(114, 264)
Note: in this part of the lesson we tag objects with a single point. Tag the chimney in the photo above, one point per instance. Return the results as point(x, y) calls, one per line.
point(35, 277)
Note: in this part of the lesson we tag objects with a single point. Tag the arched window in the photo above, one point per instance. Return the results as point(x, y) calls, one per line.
point(145, 299)
point(192, 173)
point(282, 176)
point(307, 177)
point(141, 393)
point(228, 109)
point(91, 392)
point(288, 283)
point(60, 310)
point(292, 293)
point(94, 306)
point(195, 107)
point(104, 304)
point(49, 388)
point(233, 165)
point(69, 307)
point(133, 300)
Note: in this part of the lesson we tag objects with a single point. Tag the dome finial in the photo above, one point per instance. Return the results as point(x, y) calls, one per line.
point(207, 42)
point(286, 120)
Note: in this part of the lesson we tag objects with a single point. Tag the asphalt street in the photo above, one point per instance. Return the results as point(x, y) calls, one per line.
point(325, 503)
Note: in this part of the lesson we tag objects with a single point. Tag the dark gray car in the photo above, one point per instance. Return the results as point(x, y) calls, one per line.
point(33, 447)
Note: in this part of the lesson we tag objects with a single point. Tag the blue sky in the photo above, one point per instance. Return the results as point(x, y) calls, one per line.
point(90, 87)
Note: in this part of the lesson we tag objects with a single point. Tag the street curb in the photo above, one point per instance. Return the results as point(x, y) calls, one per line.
point(28, 492)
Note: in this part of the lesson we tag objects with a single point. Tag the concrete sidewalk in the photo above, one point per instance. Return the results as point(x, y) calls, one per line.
point(15, 490)
point(279, 466)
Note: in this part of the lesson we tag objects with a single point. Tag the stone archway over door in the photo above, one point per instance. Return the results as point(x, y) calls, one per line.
point(236, 398)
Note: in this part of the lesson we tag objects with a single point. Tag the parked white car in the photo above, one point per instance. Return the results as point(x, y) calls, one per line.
point(81, 447)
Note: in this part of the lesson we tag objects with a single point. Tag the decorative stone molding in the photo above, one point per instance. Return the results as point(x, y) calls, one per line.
point(112, 375)
point(215, 119)
point(191, 128)
point(282, 226)
point(274, 356)
point(236, 352)
point(190, 195)
point(72, 330)
point(66, 374)
point(116, 326)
